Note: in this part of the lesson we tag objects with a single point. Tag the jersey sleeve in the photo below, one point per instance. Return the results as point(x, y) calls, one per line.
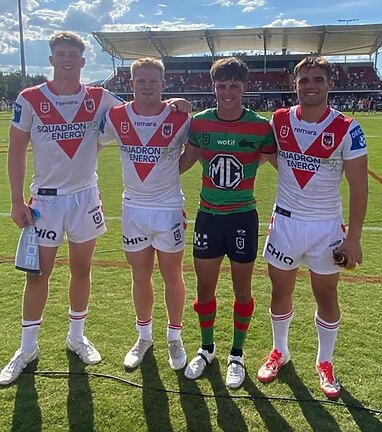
point(354, 145)
point(269, 142)
point(111, 99)
point(22, 114)
point(194, 136)
point(186, 130)
point(106, 132)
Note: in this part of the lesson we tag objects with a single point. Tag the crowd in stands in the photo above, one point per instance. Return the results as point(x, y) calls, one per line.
point(357, 78)
point(188, 81)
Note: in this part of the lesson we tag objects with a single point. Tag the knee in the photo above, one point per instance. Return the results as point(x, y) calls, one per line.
point(80, 273)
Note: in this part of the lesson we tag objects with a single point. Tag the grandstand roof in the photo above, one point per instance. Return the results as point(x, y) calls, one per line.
point(323, 40)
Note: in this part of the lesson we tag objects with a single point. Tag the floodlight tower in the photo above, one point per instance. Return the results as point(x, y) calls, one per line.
point(347, 21)
point(22, 52)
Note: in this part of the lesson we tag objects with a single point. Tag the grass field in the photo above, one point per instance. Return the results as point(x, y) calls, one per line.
point(63, 395)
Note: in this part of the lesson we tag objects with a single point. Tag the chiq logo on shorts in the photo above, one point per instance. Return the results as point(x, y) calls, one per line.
point(279, 255)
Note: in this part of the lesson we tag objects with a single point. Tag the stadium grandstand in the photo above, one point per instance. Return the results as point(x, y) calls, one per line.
point(270, 53)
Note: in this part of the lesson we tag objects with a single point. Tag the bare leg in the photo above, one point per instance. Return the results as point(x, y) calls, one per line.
point(142, 266)
point(207, 273)
point(283, 283)
point(325, 291)
point(170, 265)
point(36, 287)
point(80, 257)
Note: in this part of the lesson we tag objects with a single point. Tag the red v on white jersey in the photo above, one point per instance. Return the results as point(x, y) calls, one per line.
point(162, 137)
point(50, 115)
point(326, 139)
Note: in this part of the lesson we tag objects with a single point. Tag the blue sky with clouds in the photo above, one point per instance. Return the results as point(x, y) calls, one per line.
point(43, 18)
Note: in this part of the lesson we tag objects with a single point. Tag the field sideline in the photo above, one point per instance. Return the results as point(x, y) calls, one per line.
point(153, 398)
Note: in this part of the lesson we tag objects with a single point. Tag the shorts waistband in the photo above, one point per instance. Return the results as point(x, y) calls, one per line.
point(282, 211)
point(47, 192)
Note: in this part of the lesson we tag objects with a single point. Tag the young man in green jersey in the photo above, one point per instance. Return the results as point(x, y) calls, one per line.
point(229, 141)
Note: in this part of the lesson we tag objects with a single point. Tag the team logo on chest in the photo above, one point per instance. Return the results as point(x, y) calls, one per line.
point(124, 127)
point(167, 129)
point(284, 131)
point(89, 105)
point(327, 140)
point(44, 107)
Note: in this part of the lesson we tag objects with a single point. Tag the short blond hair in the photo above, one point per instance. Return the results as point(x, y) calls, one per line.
point(68, 38)
point(147, 62)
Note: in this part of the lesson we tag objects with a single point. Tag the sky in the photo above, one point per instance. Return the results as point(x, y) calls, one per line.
point(43, 18)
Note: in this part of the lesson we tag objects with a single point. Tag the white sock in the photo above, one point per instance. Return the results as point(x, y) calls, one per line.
point(77, 324)
point(173, 331)
point(145, 329)
point(327, 335)
point(280, 329)
point(29, 334)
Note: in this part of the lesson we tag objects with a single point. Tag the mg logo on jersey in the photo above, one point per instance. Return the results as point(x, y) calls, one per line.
point(327, 140)
point(89, 105)
point(284, 131)
point(125, 126)
point(167, 129)
point(44, 107)
point(225, 171)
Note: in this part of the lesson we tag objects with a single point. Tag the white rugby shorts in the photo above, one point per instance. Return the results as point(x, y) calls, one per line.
point(164, 230)
point(291, 243)
point(78, 217)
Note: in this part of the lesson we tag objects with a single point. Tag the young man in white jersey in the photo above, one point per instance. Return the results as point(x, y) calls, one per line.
point(61, 119)
point(316, 144)
point(150, 138)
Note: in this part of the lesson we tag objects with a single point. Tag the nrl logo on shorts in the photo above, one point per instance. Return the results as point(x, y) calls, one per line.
point(45, 107)
point(240, 243)
point(89, 105)
point(167, 129)
point(125, 126)
point(97, 217)
point(284, 131)
point(177, 235)
point(327, 140)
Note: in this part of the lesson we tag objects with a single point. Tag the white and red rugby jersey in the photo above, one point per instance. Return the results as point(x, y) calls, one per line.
point(63, 131)
point(310, 161)
point(150, 148)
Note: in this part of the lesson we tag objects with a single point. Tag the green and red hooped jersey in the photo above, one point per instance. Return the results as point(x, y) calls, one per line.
point(230, 158)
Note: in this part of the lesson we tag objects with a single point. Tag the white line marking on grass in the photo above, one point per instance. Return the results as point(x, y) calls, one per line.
point(192, 222)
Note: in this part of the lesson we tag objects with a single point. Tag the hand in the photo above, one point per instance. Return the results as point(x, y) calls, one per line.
point(353, 251)
point(21, 215)
point(179, 104)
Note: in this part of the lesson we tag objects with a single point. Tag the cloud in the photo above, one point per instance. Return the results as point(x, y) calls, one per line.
point(159, 11)
point(178, 24)
point(250, 5)
point(246, 5)
point(288, 22)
